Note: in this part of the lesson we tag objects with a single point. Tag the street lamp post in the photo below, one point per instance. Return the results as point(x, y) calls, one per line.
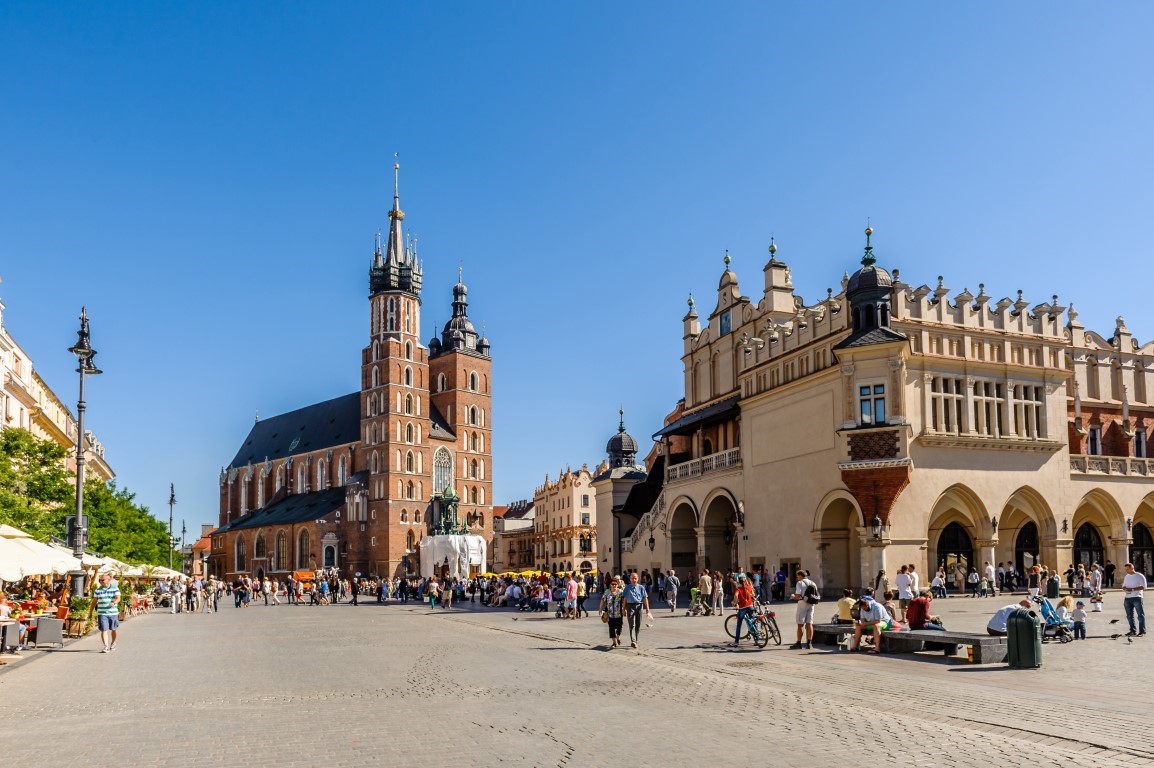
point(171, 503)
point(84, 354)
point(183, 536)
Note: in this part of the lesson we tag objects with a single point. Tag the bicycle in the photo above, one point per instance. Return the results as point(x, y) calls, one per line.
point(763, 619)
point(752, 627)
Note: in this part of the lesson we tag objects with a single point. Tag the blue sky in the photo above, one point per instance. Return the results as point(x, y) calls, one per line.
point(208, 179)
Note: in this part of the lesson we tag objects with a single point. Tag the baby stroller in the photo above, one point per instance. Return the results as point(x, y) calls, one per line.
point(697, 606)
point(1055, 628)
point(559, 595)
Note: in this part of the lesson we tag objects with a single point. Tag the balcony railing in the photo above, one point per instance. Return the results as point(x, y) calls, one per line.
point(713, 463)
point(1111, 465)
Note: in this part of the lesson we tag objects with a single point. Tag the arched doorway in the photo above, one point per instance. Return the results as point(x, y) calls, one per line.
point(330, 556)
point(1088, 547)
point(839, 546)
point(955, 548)
point(1026, 547)
point(1142, 551)
point(682, 537)
point(718, 522)
point(260, 574)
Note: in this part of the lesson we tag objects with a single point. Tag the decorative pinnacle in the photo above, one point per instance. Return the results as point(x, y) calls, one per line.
point(690, 302)
point(868, 259)
point(772, 247)
point(726, 258)
point(621, 416)
point(396, 213)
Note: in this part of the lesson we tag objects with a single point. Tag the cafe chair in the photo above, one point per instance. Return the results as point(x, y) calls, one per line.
point(48, 632)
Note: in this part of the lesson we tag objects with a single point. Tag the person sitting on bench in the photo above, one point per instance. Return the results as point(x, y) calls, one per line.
point(918, 613)
point(872, 618)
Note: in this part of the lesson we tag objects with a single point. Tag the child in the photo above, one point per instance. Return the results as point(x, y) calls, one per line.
point(985, 586)
point(1079, 617)
point(1097, 601)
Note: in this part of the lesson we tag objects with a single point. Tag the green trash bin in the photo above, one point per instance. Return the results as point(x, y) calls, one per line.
point(1054, 587)
point(1024, 640)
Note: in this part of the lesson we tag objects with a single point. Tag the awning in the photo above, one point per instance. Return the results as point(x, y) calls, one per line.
point(719, 411)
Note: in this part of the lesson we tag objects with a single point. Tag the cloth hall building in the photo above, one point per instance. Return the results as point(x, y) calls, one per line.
point(354, 483)
point(892, 424)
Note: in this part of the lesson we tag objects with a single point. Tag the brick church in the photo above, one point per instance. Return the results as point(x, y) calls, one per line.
point(355, 482)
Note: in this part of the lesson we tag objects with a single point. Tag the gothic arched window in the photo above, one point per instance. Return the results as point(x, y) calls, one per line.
point(241, 564)
point(441, 383)
point(442, 470)
point(409, 462)
point(259, 549)
point(342, 471)
point(408, 377)
point(409, 404)
point(280, 554)
point(304, 545)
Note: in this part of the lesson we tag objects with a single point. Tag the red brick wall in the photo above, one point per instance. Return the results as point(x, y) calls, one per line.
point(886, 484)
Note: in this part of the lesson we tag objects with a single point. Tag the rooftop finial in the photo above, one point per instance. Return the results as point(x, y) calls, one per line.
point(690, 302)
point(726, 258)
point(621, 416)
point(772, 249)
point(396, 213)
point(460, 272)
point(867, 260)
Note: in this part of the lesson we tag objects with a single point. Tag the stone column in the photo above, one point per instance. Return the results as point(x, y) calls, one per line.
point(897, 412)
point(968, 426)
point(1011, 420)
point(700, 532)
point(1117, 552)
point(987, 553)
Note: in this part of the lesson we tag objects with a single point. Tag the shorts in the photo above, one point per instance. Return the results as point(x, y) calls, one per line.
point(107, 623)
point(804, 613)
point(570, 604)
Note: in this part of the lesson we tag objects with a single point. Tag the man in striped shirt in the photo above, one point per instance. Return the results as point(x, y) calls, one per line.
point(107, 607)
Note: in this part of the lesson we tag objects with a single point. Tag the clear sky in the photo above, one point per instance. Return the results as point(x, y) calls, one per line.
point(208, 178)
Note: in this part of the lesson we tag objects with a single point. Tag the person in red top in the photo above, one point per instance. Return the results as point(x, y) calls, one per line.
point(918, 613)
point(743, 599)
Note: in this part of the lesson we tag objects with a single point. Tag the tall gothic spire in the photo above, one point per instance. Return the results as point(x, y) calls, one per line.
point(397, 269)
point(396, 247)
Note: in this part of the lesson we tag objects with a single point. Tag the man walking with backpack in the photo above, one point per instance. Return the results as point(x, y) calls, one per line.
point(807, 596)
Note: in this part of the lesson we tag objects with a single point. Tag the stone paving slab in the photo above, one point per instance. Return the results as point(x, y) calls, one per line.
point(403, 685)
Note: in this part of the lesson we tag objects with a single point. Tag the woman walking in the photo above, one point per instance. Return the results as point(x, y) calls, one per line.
point(718, 605)
point(612, 605)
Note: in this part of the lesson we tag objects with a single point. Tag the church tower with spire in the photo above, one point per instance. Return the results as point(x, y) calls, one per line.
point(396, 457)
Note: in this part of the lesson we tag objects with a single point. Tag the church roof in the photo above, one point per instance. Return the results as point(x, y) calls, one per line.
point(312, 428)
point(295, 508)
point(438, 426)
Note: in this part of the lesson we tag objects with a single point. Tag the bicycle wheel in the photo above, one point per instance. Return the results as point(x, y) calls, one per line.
point(760, 634)
point(771, 626)
point(731, 624)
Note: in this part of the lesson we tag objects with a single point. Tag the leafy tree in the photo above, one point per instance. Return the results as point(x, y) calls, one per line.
point(35, 492)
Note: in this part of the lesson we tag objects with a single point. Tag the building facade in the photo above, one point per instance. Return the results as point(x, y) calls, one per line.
point(565, 526)
point(355, 483)
point(895, 424)
point(27, 402)
point(514, 548)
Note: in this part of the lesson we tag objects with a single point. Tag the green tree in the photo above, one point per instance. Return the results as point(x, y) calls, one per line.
point(121, 528)
point(35, 492)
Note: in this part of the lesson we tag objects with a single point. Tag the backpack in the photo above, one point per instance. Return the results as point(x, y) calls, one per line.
point(811, 595)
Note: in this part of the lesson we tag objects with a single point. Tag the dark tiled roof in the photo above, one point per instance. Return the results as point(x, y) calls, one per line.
point(872, 336)
point(716, 412)
point(643, 495)
point(869, 277)
point(297, 508)
point(438, 427)
point(323, 425)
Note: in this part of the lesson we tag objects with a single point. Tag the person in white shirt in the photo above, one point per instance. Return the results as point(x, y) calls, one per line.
point(915, 584)
point(997, 625)
point(1134, 586)
point(990, 579)
point(905, 587)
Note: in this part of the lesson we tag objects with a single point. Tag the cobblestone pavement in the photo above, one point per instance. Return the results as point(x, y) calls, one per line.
point(401, 685)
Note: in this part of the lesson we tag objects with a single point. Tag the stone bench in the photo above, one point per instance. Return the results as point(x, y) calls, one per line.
point(987, 649)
